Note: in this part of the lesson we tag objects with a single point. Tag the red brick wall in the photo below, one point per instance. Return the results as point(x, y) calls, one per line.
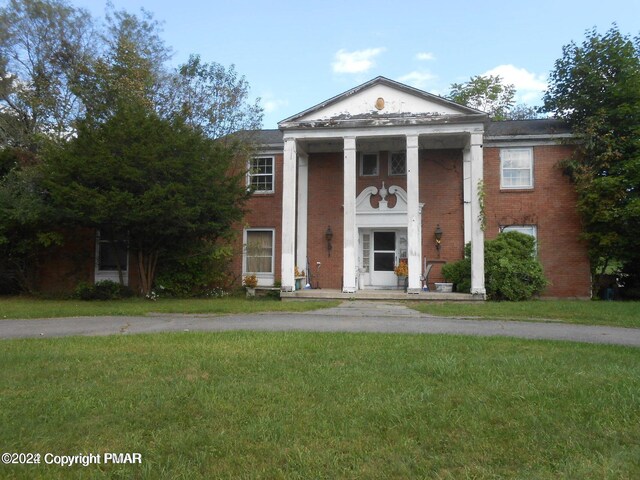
point(61, 268)
point(551, 206)
point(441, 183)
point(440, 191)
point(324, 210)
point(264, 210)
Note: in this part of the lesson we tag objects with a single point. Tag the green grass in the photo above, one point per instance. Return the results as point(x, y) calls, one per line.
point(621, 314)
point(302, 405)
point(28, 307)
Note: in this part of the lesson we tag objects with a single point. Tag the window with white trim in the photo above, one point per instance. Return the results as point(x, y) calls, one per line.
point(112, 257)
point(369, 165)
point(398, 163)
point(261, 174)
point(258, 251)
point(516, 168)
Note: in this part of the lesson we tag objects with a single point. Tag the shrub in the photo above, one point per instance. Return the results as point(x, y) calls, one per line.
point(459, 273)
point(195, 271)
point(102, 290)
point(512, 272)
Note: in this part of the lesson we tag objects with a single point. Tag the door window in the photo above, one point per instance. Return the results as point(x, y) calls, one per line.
point(384, 255)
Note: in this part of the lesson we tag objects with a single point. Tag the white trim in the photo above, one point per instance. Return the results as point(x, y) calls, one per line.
point(361, 159)
point(289, 190)
point(528, 186)
point(251, 175)
point(477, 233)
point(265, 279)
point(523, 143)
point(350, 236)
point(303, 202)
point(414, 215)
point(387, 131)
point(466, 193)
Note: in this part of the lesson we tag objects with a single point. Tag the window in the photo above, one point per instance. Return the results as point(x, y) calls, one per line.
point(398, 163)
point(516, 168)
point(526, 229)
point(112, 256)
point(258, 257)
point(369, 165)
point(366, 251)
point(261, 174)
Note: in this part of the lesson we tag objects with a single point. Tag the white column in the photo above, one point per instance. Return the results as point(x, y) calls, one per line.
point(466, 192)
point(414, 217)
point(288, 215)
point(477, 234)
point(349, 227)
point(303, 183)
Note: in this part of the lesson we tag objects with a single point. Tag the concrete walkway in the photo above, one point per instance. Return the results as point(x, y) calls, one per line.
point(353, 316)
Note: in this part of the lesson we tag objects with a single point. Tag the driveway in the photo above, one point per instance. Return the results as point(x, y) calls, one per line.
point(351, 316)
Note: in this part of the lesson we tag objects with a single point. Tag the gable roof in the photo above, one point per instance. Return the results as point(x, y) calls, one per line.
point(381, 98)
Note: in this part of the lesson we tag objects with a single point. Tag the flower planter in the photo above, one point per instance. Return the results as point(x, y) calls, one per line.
point(444, 287)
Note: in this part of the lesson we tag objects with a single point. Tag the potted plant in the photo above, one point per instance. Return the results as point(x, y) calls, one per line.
point(250, 282)
point(402, 272)
point(299, 277)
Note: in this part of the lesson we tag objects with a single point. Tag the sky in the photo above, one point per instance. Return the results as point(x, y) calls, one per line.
point(296, 54)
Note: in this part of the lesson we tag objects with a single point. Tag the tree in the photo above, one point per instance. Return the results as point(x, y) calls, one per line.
point(25, 226)
point(595, 87)
point(213, 98)
point(43, 44)
point(133, 152)
point(131, 67)
point(157, 182)
point(485, 93)
point(522, 111)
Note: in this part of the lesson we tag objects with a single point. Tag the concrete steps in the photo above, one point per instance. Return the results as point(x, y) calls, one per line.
point(329, 294)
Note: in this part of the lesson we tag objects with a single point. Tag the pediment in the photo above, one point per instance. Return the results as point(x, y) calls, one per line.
point(382, 98)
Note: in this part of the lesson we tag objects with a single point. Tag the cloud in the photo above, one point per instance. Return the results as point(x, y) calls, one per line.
point(271, 104)
point(417, 79)
point(425, 56)
point(357, 61)
point(529, 86)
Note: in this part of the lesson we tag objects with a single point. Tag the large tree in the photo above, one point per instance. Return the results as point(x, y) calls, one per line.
point(160, 183)
point(214, 98)
point(115, 139)
point(595, 87)
point(43, 45)
point(486, 93)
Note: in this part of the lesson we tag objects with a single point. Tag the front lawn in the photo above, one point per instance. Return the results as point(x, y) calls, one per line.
point(28, 307)
point(310, 405)
point(620, 314)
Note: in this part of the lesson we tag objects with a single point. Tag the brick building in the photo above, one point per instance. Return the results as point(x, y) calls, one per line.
point(348, 188)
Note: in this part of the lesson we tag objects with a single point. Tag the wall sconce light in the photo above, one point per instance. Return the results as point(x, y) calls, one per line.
point(438, 235)
point(329, 236)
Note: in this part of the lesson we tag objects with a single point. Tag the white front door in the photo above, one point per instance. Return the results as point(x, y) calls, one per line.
point(384, 259)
